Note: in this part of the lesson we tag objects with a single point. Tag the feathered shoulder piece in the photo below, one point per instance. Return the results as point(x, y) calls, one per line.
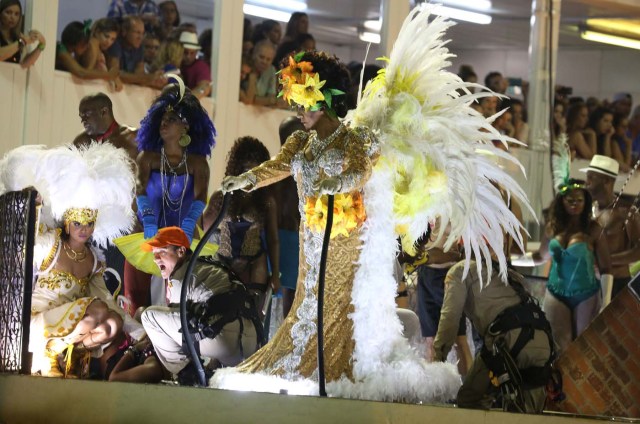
point(561, 163)
point(436, 149)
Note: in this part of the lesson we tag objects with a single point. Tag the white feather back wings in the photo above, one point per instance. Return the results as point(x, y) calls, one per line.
point(440, 148)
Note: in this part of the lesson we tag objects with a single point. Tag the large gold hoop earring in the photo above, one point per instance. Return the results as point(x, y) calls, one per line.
point(184, 140)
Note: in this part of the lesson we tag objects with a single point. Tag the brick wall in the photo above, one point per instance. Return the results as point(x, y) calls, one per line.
point(601, 368)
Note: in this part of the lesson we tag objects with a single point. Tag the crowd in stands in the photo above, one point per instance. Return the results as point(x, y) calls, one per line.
point(138, 42)
point(606, 127)
point(263, 51)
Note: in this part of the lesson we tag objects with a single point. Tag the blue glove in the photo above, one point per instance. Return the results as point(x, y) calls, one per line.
point(189, 222)
point(148, 217)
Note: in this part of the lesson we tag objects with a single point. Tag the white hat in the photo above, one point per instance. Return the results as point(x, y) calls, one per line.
point(603, 165)
point(189, 40)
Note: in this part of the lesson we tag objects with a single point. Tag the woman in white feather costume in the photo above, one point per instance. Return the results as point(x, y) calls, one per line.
point(86, 195)
point(411, 152)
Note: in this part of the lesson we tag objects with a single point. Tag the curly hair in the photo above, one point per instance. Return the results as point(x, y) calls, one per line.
point(245, 150)
point(336, 75)
point(558, 216)
point(201, 129)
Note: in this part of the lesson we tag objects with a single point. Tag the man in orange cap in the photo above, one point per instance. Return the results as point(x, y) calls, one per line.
point(223, 320)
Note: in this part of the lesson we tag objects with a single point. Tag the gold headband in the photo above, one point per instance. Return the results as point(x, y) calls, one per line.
point(81, 215)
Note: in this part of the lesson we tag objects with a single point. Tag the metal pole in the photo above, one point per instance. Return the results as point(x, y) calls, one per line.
point(184, 321)
point(321, 275)
point(543, 48)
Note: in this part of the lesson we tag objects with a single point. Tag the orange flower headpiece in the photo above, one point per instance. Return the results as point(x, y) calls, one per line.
point(302, 86)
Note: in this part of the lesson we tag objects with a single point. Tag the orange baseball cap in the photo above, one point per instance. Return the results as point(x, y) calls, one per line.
point(167, 236)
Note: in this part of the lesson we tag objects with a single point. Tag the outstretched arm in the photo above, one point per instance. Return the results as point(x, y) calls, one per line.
point(270, 171)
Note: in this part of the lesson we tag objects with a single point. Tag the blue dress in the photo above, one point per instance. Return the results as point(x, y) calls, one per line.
point(171, 203)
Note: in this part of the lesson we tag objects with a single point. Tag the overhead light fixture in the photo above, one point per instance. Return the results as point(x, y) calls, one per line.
point(470, 4)
point(463, 15)
point(369, 37)
point(600, 37)
point(373, 25)
point(288, 5)
point(266, 13)
point(622, 27)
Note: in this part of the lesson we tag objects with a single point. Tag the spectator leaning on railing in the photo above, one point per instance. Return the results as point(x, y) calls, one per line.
point(14, 45)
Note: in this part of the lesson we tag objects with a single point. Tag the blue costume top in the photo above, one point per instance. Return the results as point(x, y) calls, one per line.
point(172, 204)
point(572, 270)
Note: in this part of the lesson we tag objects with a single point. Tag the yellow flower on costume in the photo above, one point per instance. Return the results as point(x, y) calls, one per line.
point(348, 213)
point(297, 70)
point(295, 73)
point(308, 94)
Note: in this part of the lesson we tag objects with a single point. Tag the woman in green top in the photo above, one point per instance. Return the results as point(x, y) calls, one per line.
point(572, 240)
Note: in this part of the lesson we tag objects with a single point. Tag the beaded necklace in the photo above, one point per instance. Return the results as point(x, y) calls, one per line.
point(169, 181)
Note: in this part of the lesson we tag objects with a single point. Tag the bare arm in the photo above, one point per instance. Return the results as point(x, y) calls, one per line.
point(213, 209)
point(250, 93)
point(144, 172)
point(90, 57)
point(203, 89)
point(542, 255)
point(9, 50)
point(31, 58)
point(601, 249)
point(633, 253)
point(70, 64)
point(578, 143)
point(200, 178)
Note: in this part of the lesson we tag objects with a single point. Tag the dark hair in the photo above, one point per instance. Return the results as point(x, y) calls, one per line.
point(558, 216)
point(105, 25)
point(246, 149)
point(597, 115)
point(292, 25)
point(201, 129)
point(489, 76)
point(177, 21)
point(618, 118)
point(8, 3)
point(247, 30)
point(74, 34)
point(335, 74)
point(99, 100)
point(288, 48)
point(205, 42)
point(572, 114)
point(288, 126)
point(465, 72)
point(261, 30)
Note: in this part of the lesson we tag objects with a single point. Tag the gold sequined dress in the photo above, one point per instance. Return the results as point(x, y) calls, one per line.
point(347, 154)
point(59, 301)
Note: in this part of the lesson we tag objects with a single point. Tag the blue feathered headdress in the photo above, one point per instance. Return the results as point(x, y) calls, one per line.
point(179, 99)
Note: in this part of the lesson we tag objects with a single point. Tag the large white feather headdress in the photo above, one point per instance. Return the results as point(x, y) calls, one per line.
point(98, 177)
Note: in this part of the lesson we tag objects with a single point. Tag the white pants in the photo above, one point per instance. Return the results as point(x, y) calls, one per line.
point(162, 325)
